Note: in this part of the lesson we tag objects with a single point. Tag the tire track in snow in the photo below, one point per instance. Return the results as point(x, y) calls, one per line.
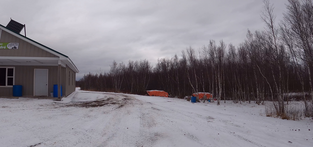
point(200, 121)
point(118, 132)
point(166, 121)
point(148, 124)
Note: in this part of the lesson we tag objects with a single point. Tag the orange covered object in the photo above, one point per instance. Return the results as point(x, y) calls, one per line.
point(157, 93)
point(201, 94)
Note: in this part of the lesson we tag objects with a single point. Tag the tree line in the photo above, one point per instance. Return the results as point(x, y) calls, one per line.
point(267, 65)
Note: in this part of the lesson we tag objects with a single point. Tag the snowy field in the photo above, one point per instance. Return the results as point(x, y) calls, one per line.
point(99, 119)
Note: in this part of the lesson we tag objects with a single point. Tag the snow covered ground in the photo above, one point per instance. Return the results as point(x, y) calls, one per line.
point(99, 119)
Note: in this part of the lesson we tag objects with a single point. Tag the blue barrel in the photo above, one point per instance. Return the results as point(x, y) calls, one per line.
point(193, 99)
point(55, 90)
point(17, 90)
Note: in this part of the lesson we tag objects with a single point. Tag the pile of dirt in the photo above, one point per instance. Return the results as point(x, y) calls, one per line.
point(101, 102)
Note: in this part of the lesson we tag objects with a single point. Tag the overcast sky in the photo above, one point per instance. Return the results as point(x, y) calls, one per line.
point(94, 33)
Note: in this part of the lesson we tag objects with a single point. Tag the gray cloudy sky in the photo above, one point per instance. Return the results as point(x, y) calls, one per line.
point(94, 33)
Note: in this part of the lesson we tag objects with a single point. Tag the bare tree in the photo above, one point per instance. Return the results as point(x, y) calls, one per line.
point(299, 20)
point(117, 75)
point(297, 34)
point(277, 54)
point(191, 73)
point(220, 56)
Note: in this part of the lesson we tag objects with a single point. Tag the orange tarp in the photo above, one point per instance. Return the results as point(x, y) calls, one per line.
point(201, 94)
point(157, 93)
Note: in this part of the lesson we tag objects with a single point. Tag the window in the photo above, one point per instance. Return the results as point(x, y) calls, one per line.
point(6, 76)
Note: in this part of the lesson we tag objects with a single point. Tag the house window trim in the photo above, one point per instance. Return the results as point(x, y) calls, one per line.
point(6, 78)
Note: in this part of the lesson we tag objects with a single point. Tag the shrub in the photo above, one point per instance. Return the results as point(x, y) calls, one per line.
point(270, 110)
point(309, 111)
point(293, 111)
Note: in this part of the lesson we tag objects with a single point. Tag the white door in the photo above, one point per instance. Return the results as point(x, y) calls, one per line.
point(41, 82)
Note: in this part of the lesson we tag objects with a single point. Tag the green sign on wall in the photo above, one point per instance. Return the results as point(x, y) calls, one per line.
point(9, 45)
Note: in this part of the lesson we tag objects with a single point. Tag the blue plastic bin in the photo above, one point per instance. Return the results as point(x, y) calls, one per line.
point(193, 99)
point(17, 90)
point(55, 90)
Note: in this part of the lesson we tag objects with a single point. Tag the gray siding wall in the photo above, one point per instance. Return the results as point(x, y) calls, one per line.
point(67, 88)
point(24, 75)
point(25, 49)
point(63, 80)
point(6, 91)
point(70, 81)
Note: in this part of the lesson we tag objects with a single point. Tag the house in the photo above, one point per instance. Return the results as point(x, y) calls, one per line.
point(38, 69)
